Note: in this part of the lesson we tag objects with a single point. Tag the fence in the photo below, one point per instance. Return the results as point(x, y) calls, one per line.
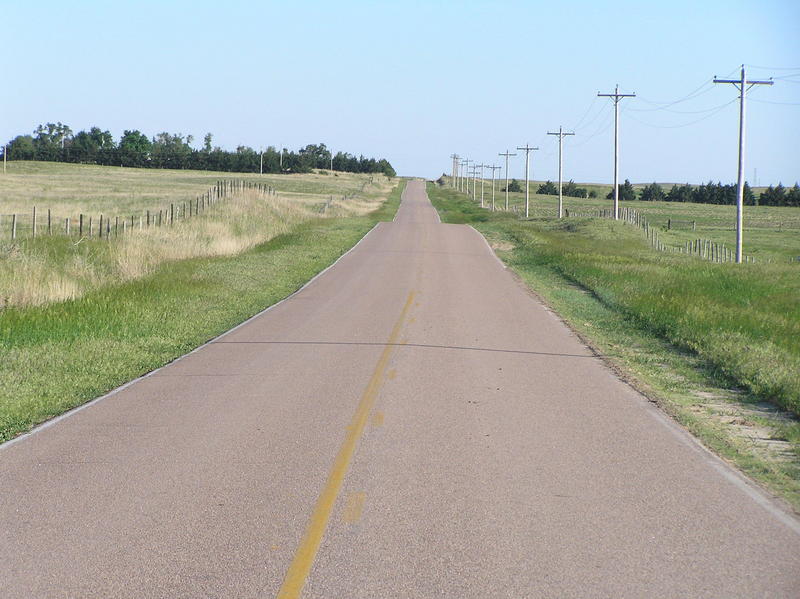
point(701, 248)
point(40, 221)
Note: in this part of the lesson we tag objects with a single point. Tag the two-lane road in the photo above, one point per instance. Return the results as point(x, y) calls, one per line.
point(411, 424)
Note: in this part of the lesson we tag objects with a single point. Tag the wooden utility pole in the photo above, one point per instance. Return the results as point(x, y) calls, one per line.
point(561, 133)
point(528, 150)
point(616, 96)
point(494, 168)
point(743, 85)
point(506, 154)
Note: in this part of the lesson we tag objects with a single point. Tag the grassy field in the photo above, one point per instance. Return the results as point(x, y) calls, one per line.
point(57, 356)
point(718, 345)
point(57, 267)
point(69, 189)
point(770, 233)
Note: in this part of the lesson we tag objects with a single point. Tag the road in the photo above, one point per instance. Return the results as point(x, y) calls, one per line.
point(413, 423)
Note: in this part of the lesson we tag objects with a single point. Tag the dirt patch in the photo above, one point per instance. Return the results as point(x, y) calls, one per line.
point(502, 246)
point(754, 424)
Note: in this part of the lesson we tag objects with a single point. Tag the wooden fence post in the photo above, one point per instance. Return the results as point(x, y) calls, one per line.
point(13, 226)
point(33, 225)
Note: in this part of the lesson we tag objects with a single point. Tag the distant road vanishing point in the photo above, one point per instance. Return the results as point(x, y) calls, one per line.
point(412, 424)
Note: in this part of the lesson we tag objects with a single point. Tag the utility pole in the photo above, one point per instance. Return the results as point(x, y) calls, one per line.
point(479, 166)
point(261, 161)
point(494, 168)
point(467, 173)
point(743, 86)
point(617, 97)
point(281, 159)
point(475, 182)
point(455, 168)
point(331, 160)
point(506, 154)
point(528, 151)
point(561, 133)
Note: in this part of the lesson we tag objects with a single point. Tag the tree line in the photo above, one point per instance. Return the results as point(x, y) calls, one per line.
point(706, 193)
point(55, 142)
point(569, 189)
point(715, 193)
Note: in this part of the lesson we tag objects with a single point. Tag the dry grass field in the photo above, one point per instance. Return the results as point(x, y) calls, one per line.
point(56, 267)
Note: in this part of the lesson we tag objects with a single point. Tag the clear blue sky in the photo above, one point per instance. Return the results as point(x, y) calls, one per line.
point(415, 82)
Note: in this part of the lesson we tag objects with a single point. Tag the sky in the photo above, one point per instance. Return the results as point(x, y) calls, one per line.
point(415, 82)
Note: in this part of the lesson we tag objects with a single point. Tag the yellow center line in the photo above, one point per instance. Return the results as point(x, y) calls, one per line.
point(304, 557)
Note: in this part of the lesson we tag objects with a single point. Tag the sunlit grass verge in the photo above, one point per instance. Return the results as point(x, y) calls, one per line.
point(56, 357)
point(713, 343)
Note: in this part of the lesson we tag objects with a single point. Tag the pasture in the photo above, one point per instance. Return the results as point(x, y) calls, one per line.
point(770, 232)
point(55, 266)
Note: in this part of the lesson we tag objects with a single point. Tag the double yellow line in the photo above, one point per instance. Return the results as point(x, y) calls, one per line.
point(304, 557)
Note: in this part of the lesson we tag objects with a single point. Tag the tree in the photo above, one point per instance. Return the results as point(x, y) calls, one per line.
point(134, 149)
point(50, 139)
point(171, 150)
point(572, 190)
point(793, 196)
point(22, 148)
point(548, 188)
point(513, 186)
point(680, 193)
point(207, 142)
point(92, 146)
point(773, 196)
point(626, 192)
point(652, 193)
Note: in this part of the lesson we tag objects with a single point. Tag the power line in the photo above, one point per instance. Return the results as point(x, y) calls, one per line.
point(690, 96)
point(599, 131)
point(581, 126)
point(716, 111)
point(585, 114)
point(712, 109)
point(755, 66)
point(773, 102)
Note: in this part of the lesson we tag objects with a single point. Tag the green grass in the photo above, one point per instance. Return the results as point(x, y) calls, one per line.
point(716, 344)
point(770, 233)
point(56, 357)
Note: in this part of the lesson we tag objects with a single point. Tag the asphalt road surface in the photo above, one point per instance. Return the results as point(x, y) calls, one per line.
point(413, 424)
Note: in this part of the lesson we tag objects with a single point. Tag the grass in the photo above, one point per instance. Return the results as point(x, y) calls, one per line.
point(57, 356)
point(53, 268)
point(69, 189)
point(718, 345)
point(770, 232)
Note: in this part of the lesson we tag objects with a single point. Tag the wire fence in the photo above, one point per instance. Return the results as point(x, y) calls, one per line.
point(41, 221)
point(705, 249)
